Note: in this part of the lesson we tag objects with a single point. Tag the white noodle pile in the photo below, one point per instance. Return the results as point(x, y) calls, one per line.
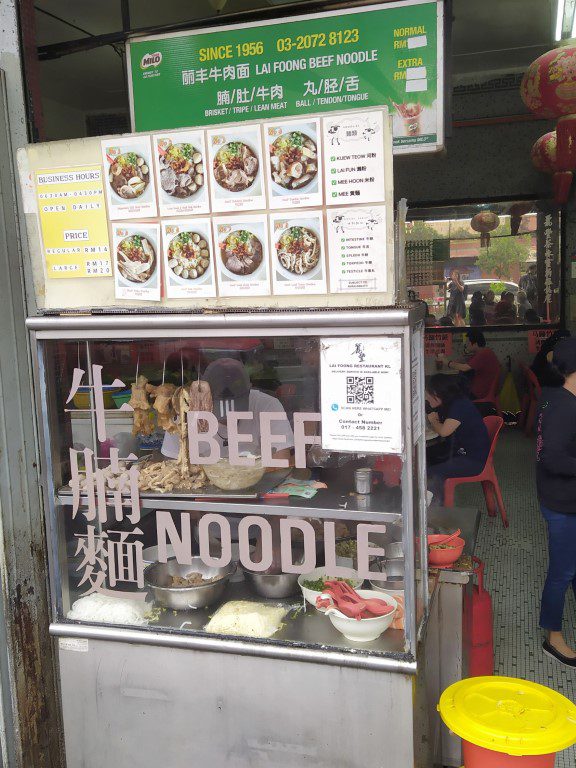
point(103, 609)
point(246, 618)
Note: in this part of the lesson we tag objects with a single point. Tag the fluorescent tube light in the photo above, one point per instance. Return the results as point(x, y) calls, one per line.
point(559, 19)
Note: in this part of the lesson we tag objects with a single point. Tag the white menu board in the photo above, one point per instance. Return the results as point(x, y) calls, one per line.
point(236, 169)
point(129, 177)
point(180, 161)
point(361, 394)
point(137, 261)
point(293, 163)
point(241, 255)
point(297, 253)
point(188, 258)
point(354, 157)
point(357, 249)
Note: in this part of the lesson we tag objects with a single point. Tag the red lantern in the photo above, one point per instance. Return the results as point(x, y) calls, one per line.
point(549, 90)
point(484, 222)
point(516, 212)
point(544, 158)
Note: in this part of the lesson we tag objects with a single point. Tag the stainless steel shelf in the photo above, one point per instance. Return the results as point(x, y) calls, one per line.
point(326, 505)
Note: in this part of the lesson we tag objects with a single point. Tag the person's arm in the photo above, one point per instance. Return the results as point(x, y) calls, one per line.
point(455, 365)
point(442, 428)
point(556, 438)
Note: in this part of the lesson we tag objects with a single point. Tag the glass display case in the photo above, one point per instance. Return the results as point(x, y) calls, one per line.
point(193, 491)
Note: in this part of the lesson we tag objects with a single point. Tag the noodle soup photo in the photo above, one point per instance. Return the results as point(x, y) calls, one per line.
point(294, 164)
point(181, 169)
point(188, 258)
point(129, 177)
point(137, 272)
point(241, 255)
point(235, 168)
point(298, 253)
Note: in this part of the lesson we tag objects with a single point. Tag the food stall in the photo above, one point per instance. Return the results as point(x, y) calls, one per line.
point(254, 660)
point(230, 396)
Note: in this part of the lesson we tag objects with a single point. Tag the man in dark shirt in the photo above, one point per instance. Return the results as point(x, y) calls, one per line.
point(556, 483)
point(482, 363)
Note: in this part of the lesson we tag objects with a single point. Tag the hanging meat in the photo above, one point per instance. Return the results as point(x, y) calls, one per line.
point(162, 396)
point(201, 400)
point(143, 424)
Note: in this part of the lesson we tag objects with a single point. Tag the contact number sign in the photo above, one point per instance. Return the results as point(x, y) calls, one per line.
point(361, 394)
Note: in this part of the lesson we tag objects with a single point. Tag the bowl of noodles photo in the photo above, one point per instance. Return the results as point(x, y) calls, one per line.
point(235, 167)
point(188, 257)
point(129, 175)
point(242, 253)
point(136, 259)
point(293, 163)
point(298, 252)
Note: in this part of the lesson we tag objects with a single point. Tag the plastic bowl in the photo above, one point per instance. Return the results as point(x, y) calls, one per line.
point(81, 399)
point(232, 478)
point(444, 556)
point(122, 397)
point(310, 595)
point(364, 630)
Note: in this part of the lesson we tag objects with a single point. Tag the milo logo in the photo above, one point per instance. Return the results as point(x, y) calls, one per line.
point(150, 60)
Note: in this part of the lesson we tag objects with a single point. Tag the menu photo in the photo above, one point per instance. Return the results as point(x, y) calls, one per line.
point(357, 249)
point(188, 258)
point(180, 160)
point(354, 158)
point(129, 177)
point(294, 163)
point(241, 247)
point(236, 169)
point(298, 253)
point(137, 261)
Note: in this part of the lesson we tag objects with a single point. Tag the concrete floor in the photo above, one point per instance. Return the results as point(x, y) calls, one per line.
point(516, 561)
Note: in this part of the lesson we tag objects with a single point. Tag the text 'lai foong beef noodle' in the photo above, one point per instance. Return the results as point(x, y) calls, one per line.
point(241, 252)
point(136, 258)
point(293, 160)
point(188, 255)
point(181, 170)
point(298, 249)
point(129, 175)
point(235, 166)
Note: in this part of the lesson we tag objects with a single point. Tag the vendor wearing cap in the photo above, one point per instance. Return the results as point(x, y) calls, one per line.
point(232, 391)
point(556, 483)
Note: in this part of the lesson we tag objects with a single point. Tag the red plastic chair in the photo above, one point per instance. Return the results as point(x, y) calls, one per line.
point(487, 477)
point(492, 395)
point(530, 400)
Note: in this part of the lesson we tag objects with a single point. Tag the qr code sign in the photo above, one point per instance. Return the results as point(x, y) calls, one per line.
point(360, 390)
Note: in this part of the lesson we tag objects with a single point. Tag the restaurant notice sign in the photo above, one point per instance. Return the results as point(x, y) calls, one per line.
point(361, 394)
point(386, 54)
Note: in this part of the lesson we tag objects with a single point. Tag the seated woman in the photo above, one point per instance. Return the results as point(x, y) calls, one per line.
point(455, 416)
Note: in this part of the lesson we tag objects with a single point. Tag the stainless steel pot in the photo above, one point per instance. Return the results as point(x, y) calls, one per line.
point(158, 578)
point(273, 585)
point(394, 550)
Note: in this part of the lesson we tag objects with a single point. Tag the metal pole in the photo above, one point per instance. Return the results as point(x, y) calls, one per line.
point(29, 716)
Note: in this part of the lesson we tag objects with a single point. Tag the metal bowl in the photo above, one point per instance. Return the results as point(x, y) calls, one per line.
point(394, 583)
point(158, 578)
point(273, 585)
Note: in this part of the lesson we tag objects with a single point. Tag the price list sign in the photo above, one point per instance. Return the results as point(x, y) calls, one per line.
point(387, 54)
point(73, 222)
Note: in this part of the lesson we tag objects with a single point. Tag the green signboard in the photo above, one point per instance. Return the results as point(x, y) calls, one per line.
point(349, 59)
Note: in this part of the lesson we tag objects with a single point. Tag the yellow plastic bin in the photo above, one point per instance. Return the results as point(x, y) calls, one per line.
point(505, 722)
